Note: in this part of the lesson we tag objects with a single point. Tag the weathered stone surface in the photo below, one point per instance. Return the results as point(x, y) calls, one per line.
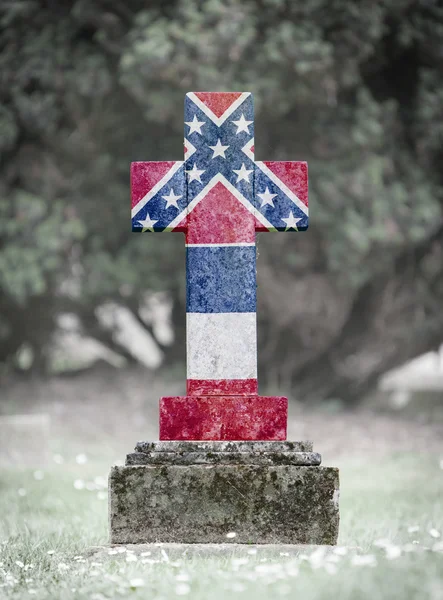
point(208, 458)
point(202, 504)
point(215, 446)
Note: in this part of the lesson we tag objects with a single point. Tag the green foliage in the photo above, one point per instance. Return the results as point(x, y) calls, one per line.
point(35, 237)
point(355, 89)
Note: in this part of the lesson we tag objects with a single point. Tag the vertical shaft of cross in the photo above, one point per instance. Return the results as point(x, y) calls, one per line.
point(221, 314)
point(221, 257)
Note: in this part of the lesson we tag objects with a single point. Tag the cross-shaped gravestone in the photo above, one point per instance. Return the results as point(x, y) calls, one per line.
point(220, 197)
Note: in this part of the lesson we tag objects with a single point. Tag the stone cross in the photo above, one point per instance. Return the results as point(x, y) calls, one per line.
point(220, 197)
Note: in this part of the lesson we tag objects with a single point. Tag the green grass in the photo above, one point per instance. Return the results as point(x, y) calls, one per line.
point(47, 522)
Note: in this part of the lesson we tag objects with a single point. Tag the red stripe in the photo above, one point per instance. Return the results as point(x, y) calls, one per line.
point(223, 418)
point(221, 387)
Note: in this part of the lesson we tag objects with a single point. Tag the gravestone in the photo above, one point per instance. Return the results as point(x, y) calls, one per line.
point(223, 469)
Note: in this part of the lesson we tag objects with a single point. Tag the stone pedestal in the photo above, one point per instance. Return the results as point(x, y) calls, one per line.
point(199, 492)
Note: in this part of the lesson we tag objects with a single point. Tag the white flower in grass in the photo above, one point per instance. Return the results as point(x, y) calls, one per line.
point(21, 492)
point(145, 554)
point(437, 547)
point(20, 564)
point(252, 551)
point(434, 533)
point(238, 562)
point(231, 535)
point(137, 583)
point(409, 548)
point(101, 481)
point(149, 561)
point(317, 558)
point(121, 550)
point(38, 475)
point(79, 484)
point(182, 589)
point(382, 543)
point(81, 459)
point(413, 528)
point(131, 558)
point(237, 586)
point(29, 580)
point(393, 552)
point(330, 568)
point(58, 459)
point(112, 552)
point(164, 555)
point(365, 560)
point(182, 577)
point(63, 567)
point(50, 552)
point(32, 591)
point(333, 558)
point(284, 553)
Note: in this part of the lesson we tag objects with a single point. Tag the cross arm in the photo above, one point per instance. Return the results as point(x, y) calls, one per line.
point(158, 196)
point(281, 195)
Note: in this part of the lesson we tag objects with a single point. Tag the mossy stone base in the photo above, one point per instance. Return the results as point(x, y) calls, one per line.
point(203, 503)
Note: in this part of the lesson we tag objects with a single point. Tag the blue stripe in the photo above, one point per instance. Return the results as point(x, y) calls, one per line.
point(220, 279)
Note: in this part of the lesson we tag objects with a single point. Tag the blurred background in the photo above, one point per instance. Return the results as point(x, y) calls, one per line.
point(89, 310)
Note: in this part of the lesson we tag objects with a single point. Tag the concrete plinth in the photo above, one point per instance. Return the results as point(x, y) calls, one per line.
point(203, 491)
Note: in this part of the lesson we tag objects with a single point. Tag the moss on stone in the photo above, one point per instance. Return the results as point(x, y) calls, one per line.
point(262, 504)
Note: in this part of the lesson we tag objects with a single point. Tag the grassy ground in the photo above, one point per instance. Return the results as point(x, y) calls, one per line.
point(391, 508)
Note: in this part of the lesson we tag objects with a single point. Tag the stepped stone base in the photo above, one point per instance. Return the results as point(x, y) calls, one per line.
point(199, 492)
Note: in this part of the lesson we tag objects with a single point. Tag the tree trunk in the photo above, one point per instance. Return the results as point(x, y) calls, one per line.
point(394, 317)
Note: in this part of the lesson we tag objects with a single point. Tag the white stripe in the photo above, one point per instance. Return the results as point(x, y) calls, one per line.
point(221, 345)
point(279, 183)
point(219, 178)
point(228, 112)
point(157, 187)
point(215, 244)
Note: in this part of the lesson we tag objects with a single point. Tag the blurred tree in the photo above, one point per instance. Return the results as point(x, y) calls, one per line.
point(354, 88)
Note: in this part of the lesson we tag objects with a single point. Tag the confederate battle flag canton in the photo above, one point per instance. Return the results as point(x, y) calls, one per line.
point(219, 174)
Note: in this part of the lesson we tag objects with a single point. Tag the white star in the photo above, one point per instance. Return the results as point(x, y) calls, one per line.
point(171, 200)
point(195, 125)
point(148, 223)
point(242, 124)
point(266, 197)
point(195, 173)
point(291, 222)
point(242, 173)
point(219, 150)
